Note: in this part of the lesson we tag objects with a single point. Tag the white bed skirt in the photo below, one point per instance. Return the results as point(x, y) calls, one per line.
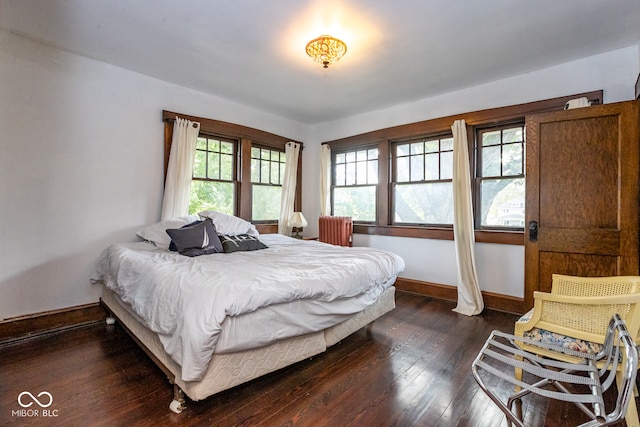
point(231, 369)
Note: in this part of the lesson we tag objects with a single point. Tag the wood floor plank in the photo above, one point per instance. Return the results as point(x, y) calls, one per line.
point(412, 367)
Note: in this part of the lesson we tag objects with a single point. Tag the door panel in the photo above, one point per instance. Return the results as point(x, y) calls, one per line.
point(582, 190)
point(574, 265)
point(579, 240)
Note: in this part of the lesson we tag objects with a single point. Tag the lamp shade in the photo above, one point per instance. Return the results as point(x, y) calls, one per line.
point(297, 220)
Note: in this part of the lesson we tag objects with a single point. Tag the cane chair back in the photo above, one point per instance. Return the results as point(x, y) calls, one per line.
point(581, 307)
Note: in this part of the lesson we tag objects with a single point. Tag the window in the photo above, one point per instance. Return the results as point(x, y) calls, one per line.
point(355, 184)
point(267, 174)
point(422, 189)
point(500, 181)
point(214, 175)
point(412, 196)
point(222, 177)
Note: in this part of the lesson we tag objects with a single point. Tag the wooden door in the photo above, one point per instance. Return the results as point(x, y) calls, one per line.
point(581, 194)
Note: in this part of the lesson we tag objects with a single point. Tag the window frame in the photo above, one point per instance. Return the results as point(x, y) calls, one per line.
point(394, 182)
point(334, 185)
point(247, 137)
point(281, 162)
point(383, 137)
point(234, 172)
point(478, 165)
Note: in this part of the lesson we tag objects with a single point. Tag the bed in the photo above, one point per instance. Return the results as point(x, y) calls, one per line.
point(215, 321)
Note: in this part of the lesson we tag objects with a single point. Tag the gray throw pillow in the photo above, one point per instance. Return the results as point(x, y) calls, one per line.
point(197, 238)
point(241, 242)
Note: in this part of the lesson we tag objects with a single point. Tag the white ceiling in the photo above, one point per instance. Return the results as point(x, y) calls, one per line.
point(252, 51)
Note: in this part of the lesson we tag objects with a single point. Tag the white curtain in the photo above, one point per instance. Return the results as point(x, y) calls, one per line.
point(291, 153)
point(325, 180)
point(175, 202)
point(469, 296)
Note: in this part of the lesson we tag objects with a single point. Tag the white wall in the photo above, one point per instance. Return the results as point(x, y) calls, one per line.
point(81, 158)
point(81, 166)
point(500, 267)
point(615, 72)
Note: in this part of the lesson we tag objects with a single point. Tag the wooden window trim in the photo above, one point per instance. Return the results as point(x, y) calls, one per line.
point(246, 136)
point(475, 118)
point(439, 233)
point(384, 137)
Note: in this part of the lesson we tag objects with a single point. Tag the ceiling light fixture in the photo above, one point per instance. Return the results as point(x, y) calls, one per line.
point(326, 50)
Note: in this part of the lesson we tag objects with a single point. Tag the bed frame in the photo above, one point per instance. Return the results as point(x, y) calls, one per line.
point(229, 370)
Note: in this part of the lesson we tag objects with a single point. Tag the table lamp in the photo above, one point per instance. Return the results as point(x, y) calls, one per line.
point(297, 222)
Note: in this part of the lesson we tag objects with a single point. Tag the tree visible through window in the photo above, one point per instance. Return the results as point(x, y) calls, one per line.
point(267, 174)
point(500, 176)
point(423, 192)
point(214, 171)
point(355, 184)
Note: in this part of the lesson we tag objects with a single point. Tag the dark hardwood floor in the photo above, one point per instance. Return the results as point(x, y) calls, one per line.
point(411, 368)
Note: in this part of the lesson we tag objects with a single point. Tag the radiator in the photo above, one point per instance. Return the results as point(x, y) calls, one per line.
point(336, 230)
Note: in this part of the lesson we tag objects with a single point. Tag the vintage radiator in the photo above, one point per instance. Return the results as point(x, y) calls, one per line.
point(336, 230)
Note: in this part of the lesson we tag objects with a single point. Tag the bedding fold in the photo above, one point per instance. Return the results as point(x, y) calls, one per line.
point(187, 300)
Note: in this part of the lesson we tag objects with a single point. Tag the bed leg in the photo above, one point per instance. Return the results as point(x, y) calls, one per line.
point(110, 319)
point(368, 329)
point(177, 405)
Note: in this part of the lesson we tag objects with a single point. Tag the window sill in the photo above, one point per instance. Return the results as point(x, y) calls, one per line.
point(482, 236)
point(266, 228)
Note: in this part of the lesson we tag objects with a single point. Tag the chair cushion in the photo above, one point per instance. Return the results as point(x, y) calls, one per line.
point(553, 338)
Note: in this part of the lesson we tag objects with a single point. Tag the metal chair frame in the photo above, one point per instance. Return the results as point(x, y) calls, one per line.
point(595, 373)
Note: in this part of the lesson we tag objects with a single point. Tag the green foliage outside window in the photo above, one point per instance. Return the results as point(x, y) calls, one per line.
point(267, 174)
point(355, 191)
point(213, 186)
point(423, 190)
point(357, 202)
point(211, 195)
point(265, 202)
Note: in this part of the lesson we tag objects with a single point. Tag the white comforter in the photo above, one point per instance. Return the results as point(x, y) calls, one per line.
point(186, 300)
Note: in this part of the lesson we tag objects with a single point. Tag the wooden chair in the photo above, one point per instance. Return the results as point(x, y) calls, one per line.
point(575, 315)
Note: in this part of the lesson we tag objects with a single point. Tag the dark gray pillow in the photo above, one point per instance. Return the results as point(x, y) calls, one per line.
point(197, 238)
point(241, 242)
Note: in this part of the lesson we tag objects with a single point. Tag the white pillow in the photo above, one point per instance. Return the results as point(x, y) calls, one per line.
point(157, 233)
point(229, 224)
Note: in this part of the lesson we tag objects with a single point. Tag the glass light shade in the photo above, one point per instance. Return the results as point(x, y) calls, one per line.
point(297, 220)
point(326, 50)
